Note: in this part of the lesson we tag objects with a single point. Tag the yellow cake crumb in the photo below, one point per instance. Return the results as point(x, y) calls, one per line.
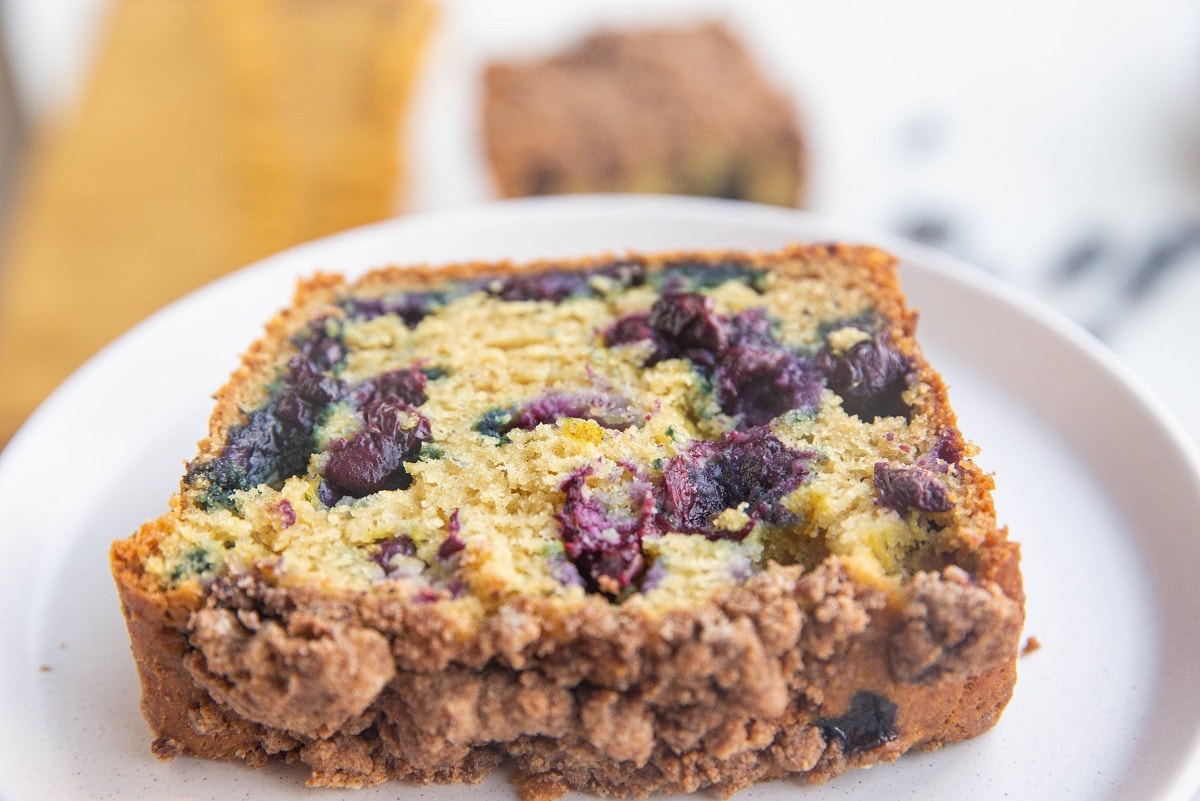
point(505, 492)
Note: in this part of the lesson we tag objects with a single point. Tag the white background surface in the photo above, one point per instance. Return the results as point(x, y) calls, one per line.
point(1108, 709)
point(1023, 130)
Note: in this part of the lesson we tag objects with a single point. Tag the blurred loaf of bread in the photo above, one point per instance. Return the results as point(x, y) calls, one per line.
point(676, 110)
point(209, 133)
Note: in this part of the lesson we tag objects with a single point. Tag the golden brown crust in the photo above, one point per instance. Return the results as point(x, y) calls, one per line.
point(367, 686)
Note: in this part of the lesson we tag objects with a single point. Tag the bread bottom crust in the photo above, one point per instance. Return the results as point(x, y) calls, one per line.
point(795, 673)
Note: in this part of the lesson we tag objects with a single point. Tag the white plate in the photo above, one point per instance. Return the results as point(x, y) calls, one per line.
point(1094, 481)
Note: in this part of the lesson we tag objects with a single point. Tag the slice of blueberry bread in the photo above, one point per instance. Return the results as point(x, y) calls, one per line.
point(678, 110)
point(638, 524)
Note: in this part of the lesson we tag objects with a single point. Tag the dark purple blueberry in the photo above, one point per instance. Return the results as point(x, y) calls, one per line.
point(411, 307)
point(263, 450)
point(756, 378)
point(905, 487)
point(287, 515)
point(752, 328)
point(679, 325)
point(871, 378)
point(605, 543)
point(270, 450)
point(451, 546)
point(400, 545)
point(373, 459)
point(305, 394)
point(276, 440)
point(551, 285)
point(390, 416)
point(291, 409)
point(407, 386)
point(453, 542)
point(610, 411)
point(327, 494)
point(666, 327)
point(950, 446)
point(558, 285)
point(633, 327)
point(364, 464)
point(757, 385)
point(751, 467)
point(312, 386)
point(687, 323)
point(321, 345)
point(868, 723)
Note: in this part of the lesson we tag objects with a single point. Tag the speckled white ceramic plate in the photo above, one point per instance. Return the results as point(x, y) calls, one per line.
point(1094, 481)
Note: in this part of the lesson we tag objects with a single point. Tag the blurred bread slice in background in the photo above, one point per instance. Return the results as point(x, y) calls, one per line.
point(210, 133)
point(659, 110)
point(318, 88)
